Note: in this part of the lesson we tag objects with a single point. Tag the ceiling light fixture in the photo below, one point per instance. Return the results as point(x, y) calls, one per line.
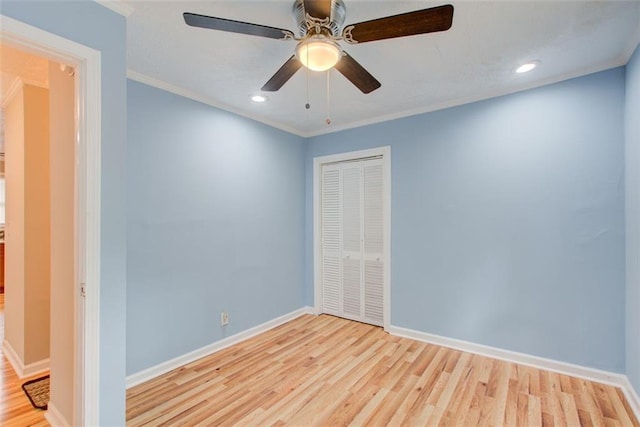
point(259, 98)
point(318, 53)
point(527, 66)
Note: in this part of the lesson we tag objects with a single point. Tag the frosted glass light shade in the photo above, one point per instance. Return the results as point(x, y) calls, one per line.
point(318, 54)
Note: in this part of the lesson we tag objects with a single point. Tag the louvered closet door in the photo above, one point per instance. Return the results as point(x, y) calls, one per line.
point(352, 240)
point(331, 240)
point(373, 241)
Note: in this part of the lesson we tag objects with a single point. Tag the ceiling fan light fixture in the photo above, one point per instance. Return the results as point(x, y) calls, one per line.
point(318, 53)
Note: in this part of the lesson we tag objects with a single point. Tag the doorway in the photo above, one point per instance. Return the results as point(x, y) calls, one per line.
point(86, 211)
point(352, 235)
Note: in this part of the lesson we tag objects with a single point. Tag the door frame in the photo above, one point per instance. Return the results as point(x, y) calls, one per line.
point(318, 162)
point(87, 64)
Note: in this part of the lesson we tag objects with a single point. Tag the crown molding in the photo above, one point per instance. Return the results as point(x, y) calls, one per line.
point(14, 89)
point(15, 86)
point(621, 61)
point(468, 99)
point(117, 6)
point(151, 81)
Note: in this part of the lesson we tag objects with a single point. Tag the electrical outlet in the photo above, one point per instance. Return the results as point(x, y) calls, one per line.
point(224, 318)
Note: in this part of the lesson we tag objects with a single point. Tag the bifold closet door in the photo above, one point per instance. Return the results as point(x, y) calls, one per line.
point(352, 240)
point(373, 241)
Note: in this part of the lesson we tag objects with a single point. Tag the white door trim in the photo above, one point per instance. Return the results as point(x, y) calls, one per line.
point(87, 63)
point(385, 152)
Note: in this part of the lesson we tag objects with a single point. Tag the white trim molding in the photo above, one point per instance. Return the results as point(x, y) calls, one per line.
point(164, 367)
point(14, 89)
point(16, 85)
point(591, 374)
point(185, 93)
point(87, 62)
point(87, 225)
point(55, 417)
point(13, 358)
point(22, 370)
point(35, 368)
point(632, 397)
point(385, 153)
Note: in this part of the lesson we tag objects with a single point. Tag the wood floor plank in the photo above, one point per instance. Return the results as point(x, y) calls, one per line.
point(534, 412)
point(619, 407)
point(323, 370)
point(465, 393)
point(366, 412)
point(502, 393)
point(567, 401)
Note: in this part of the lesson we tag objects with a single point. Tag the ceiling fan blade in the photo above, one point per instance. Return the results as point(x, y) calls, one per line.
point(407, 24)
point(231, 26)
point(356, 74)
point(318, 8)
point(282, 75)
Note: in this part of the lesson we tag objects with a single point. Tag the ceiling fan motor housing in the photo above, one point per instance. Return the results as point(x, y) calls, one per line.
point(334, 24)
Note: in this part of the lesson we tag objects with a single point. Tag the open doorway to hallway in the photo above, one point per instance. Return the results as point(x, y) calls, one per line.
point(38, 306)
point(78, 398)
point(38, 98)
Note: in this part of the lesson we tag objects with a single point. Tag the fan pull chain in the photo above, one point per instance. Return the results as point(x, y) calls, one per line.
point(328, 120)
point(307, 105)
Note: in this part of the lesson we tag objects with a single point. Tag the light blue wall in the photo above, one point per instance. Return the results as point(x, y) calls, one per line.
point(215, 215)
point(632, 181)
point(92, 25)
point(507, 220)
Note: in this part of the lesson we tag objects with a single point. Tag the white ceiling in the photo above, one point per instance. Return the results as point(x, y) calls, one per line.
point(474, 60)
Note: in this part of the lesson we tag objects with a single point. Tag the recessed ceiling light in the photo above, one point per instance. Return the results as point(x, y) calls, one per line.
point(527, 66)
point(259, 98)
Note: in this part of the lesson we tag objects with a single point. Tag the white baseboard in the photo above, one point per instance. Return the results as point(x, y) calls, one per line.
point(605, 377)
point(632, 397)
point(54, 417)
point(18, 365)
point(164, 367)
point(591, 374)
point(39, 367)
point(12, 357)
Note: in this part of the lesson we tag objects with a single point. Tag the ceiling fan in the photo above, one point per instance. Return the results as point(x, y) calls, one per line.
point(319, 25)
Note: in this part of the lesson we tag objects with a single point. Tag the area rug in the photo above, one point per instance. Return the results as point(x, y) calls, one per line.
point(38, 392)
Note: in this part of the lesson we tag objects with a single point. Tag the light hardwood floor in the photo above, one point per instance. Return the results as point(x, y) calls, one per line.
point(15, 408)
point(330, 371)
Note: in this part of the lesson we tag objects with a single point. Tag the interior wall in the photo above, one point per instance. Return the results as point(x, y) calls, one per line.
point(507, 219)
point(632, 192)
point(215, 212)
point(27, 231)
point(63, 383)
point(14, 226)
point(95, 26)
point(37, 231)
